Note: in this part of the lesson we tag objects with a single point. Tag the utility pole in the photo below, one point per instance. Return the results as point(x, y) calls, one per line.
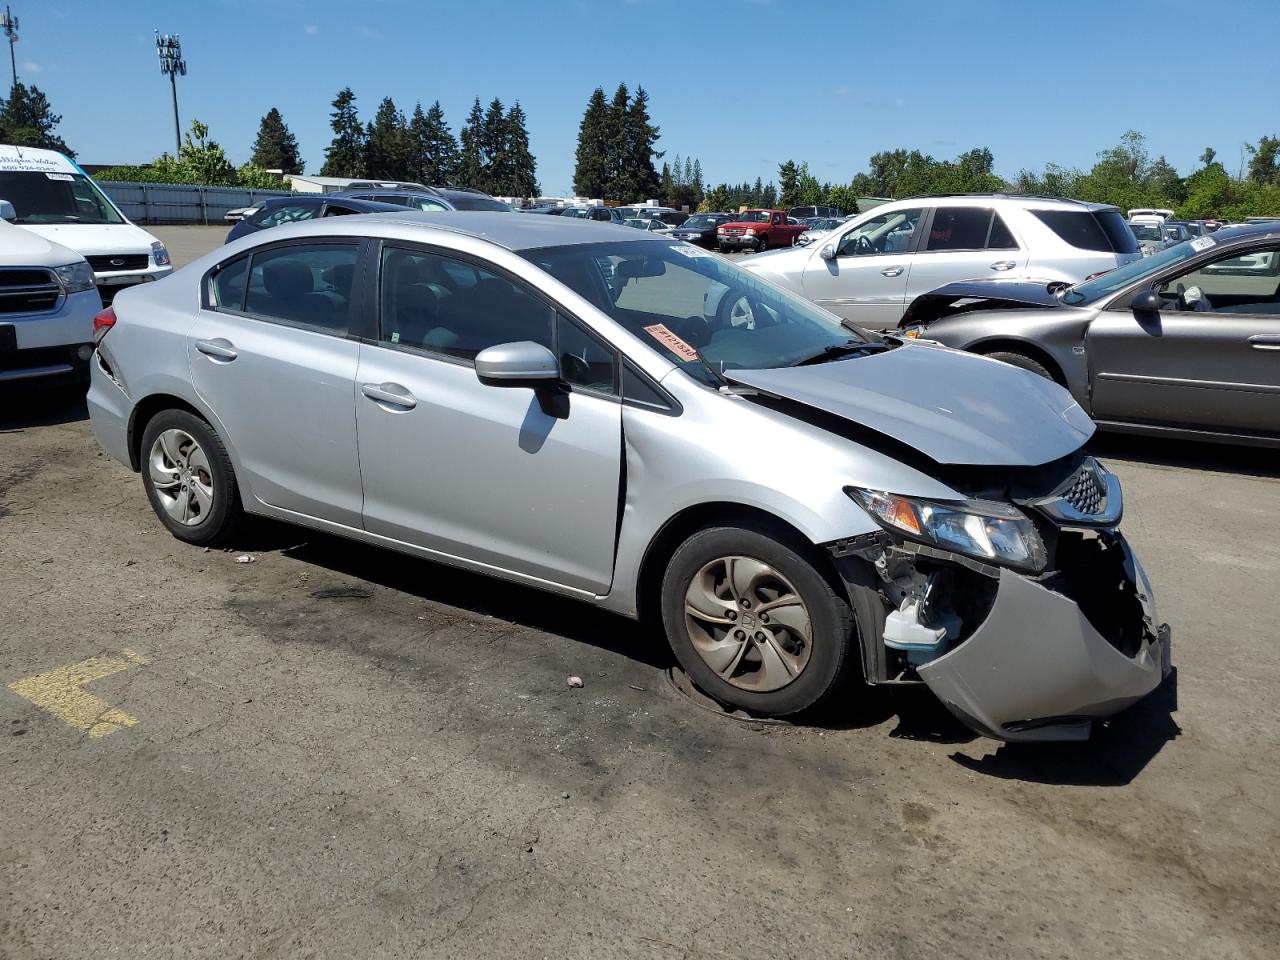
point(9, 23)
point(169, 49)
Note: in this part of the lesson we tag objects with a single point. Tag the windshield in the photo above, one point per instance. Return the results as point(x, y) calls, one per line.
point(1145, 231)
point(753, 216)
point(697, 309)
point(1118, 279)
point(56, 198)
point(479, 203)
point(701, 223)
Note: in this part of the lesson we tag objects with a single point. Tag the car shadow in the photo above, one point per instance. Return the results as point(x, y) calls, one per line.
point(477, 593)
point(42, 408)
point(1167, 452)
point(1116, 753)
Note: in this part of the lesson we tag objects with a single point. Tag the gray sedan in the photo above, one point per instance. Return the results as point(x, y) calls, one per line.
point(797, 502)
point(1182, 343)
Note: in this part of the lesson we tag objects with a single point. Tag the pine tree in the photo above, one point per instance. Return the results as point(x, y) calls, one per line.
point(789, 181)
point(276, 148)
point(493, 150)
point(386, 150)
point(757, 193)
point(433, 149)
point(642, 135)
point(677, 172)
point(26, 120)
point(667, 187)
point(695, 178)
point(522, 166)
point(769, 199)
point(688, 175)
point(590, 174)
point(344, 156)
point(471, 172)
point(618, 185)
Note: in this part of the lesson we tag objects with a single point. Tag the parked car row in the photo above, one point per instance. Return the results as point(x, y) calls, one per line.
point(549, 401)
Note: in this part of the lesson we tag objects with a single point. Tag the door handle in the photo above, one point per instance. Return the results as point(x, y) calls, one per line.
point(391, 393)
point(891, 272)
point(1004, 265)
point(1265, 341)
point(218, 349)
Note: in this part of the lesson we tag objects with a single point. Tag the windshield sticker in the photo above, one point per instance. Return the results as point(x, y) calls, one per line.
point(669, 340)
point(1202, 243)
point(60, 176)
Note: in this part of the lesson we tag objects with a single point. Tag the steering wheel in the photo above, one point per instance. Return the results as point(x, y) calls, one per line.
point(862, 246)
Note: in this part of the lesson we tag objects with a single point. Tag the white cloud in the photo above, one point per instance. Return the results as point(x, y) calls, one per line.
point(370, 34)
point(311, 29)
point(29, 67)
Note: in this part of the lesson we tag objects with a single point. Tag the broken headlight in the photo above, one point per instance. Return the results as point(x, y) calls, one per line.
point(990, 531)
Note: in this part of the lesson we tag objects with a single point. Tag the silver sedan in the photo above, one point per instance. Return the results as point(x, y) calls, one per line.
point(636, 423)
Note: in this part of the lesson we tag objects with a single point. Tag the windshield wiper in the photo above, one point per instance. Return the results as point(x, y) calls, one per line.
point(833, 350)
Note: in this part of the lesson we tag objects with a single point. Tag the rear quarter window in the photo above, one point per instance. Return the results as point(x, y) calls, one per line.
point(1104, 231)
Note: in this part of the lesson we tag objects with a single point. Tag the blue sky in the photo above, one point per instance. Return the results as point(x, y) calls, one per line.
point(741, 84)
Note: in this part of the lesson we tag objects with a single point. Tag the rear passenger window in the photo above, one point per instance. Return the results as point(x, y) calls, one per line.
point(227, 287)
point(1001, 236)
point(1083, 231)
point(285, 213)
point(425, 304)
point(584, 360)
point(959, 228)
point(307, 285)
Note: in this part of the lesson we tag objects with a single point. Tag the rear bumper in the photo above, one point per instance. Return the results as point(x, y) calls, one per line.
point(109, 412)
point(1037, 669)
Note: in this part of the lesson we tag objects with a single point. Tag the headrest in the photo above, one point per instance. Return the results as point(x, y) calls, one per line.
point(287, 278)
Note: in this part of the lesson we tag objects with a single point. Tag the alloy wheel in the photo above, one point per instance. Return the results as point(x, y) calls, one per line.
point(748, 623)
point(181, 477)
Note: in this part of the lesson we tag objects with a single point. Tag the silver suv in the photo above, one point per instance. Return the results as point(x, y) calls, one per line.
point(870, 269)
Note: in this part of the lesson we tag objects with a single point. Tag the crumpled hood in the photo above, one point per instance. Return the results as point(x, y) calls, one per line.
point(968, 296)
point(89, 239)
point(955, 408)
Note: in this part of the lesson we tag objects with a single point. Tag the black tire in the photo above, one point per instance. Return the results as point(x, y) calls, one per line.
point(723, 249)
point(226, 512)
point(1022, 360)
point(831, 654)
point(762, 245)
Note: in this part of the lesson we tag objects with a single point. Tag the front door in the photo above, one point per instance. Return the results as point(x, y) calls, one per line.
point(494, 475)
point(866, 282)
point(1210, 357)
point(271, 357)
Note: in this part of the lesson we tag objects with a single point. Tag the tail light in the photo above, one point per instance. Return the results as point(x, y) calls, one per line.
point(102, 323)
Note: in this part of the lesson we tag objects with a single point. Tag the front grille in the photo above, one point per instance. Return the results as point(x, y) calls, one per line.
point(106, 262)
point(733, 231)
point(1085, 493)
point(28, 290)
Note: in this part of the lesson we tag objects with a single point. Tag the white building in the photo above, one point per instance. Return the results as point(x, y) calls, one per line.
point(302, 183)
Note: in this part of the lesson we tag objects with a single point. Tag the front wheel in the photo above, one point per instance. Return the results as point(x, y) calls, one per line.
point(754, 622)
point(762, 245)
point(1023, 361)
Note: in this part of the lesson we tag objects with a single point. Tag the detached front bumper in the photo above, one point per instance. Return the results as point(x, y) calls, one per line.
point(1037, 668)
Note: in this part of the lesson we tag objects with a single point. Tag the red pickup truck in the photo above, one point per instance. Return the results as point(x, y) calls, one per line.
point(759, 230)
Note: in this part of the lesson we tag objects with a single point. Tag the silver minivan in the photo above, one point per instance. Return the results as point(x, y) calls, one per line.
point(870, 269)
point(803, 506)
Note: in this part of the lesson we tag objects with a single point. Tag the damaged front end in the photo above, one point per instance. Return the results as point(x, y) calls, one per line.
point(1024, 609)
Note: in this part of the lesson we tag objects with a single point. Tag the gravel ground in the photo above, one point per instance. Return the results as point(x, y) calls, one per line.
point(337, 752)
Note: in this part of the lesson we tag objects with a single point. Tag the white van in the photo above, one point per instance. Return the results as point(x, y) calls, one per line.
point(53, 197)
point(47, 304)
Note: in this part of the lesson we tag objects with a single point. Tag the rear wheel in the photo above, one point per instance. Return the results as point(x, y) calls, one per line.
point(189, 478)
point(1015, 359)
point(754, 622)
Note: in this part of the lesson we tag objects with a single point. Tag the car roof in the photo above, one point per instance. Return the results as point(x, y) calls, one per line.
point(373, 206)
point(507, 230)
point(1008, 199)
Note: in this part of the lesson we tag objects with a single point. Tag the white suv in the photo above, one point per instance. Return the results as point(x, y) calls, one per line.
point(869, 269)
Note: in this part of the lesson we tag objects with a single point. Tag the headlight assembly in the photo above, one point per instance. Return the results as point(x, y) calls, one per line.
point(984, 529)
point(160, 254)
point(75, 277)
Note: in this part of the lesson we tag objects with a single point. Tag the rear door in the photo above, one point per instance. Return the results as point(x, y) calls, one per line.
point(867, 280)
point(273, 354)
point(1210, 358)
point(964, 243)
point(493, 475)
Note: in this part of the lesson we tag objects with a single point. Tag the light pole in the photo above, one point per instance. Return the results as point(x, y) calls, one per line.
point(169, 48)
point(9, 23)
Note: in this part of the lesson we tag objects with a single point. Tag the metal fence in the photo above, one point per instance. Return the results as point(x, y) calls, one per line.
point(180, 202)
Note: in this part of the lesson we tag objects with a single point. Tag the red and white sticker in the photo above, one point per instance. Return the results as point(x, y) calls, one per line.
point(669, 340)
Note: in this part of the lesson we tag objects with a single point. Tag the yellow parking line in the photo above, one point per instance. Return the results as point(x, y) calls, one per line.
point(59, 692)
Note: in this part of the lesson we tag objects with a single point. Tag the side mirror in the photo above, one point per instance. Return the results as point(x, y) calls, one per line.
point(7, 212)
point(521, 364)
point(1146, 301)
point(828, 251)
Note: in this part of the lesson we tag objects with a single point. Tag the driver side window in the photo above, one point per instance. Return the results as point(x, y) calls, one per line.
point(888, 233)
point(1238, 284)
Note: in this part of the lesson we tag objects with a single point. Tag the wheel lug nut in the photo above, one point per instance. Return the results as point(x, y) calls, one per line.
point(739, 635)
point(746, 604)
point(764, 618)
point(732, 614)
point(760, 636)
